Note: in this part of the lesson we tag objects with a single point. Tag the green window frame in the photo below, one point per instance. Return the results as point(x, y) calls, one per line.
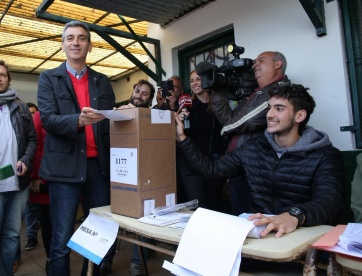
point(352, 23)
point(212, 49)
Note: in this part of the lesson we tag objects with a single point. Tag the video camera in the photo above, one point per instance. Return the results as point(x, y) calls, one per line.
point(237, 75)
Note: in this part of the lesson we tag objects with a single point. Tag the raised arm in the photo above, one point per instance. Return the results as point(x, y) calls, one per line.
point(247, 117)
point(227, 166)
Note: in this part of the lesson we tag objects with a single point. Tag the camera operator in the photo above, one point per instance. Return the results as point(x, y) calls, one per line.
point(248, 118)
point(170, 102)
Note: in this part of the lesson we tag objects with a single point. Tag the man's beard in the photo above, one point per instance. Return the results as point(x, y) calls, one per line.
point(286, 130)
point(140, 102)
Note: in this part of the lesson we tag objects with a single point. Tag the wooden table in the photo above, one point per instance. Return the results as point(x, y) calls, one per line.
point(349, 264)
point(290, 247)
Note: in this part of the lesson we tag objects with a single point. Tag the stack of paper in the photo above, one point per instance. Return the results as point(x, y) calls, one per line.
point(167, 219)
point(206, 235)
point(351, 239)
point(342, 239)
point(193, 204)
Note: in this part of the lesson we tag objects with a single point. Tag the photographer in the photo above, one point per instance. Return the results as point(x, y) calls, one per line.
point(170, 102)
point(248, 118)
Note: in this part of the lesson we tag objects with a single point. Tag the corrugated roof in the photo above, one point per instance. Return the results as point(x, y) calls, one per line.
point(30, 44)
point(161, 12)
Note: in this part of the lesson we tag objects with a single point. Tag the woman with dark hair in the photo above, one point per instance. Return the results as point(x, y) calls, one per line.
point(205, 132)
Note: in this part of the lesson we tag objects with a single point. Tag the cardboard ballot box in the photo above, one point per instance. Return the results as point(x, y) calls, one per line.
point(143, 161)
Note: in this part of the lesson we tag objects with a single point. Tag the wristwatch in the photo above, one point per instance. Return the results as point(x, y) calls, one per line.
point(298, 213)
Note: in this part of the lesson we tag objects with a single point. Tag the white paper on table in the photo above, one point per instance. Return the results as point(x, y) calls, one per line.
point(94, 237)
point(124, 165)
point(351, 240)
point(178, 225)
point(206, 235)
point(113, 115)
point(178, 270)
point(159, 116)
point(166, 219)
point(256, 230)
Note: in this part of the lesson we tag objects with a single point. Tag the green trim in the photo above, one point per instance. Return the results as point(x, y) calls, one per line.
point(350, 164)
point(106, 32)
point(137, 38)
point(127, 54)
point(352, 22)
point(315, 12)
point(215, 41)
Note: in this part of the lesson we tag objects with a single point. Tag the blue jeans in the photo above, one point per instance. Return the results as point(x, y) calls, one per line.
point(136, 258)
point(64, 202)
point(31, 219)
point(12, 209)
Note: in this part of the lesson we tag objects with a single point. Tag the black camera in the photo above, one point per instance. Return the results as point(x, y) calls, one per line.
point(166, 86)
point(237, 75)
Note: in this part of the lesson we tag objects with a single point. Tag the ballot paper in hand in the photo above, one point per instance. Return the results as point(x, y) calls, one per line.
point(256, 230)
point(206, 235)
point(113, 115)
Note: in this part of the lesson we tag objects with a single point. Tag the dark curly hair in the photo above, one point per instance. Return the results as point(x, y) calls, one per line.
point(152, 88)
point(298, 96)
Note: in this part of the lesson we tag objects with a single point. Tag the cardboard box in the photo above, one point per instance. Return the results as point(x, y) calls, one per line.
point(143, 161)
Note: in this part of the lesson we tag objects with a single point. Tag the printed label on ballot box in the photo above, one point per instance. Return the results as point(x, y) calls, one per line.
point(94, 237)
point(124, 165)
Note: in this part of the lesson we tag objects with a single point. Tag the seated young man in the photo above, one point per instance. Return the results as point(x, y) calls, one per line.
point(292, 171)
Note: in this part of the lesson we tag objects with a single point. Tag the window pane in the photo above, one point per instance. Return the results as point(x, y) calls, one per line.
point(209, 56)
point(191, 64)
point(219, 56)
point(199, 58)
point(204, 51)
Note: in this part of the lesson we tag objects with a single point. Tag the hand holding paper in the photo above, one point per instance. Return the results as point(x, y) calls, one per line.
point(113, 115)
point(88, 117)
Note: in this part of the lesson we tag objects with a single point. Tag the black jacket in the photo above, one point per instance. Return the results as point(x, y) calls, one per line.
point(247, 120)
point(23, 126)
point(64, 156)
point(205, 129)
point(311, 179)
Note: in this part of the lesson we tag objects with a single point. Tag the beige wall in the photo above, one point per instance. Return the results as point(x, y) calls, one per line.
point(123, 87)
point(26, 86)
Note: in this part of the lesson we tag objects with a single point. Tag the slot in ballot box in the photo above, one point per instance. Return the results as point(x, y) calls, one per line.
point(143, 161)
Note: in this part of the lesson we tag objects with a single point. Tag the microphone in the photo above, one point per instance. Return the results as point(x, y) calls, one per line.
point(185, 102)
point(204, 67)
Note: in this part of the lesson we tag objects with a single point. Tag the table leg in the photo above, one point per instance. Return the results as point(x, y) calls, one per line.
point(90, 268)
point(140, 250)
point(333, 268)
point(311, 262)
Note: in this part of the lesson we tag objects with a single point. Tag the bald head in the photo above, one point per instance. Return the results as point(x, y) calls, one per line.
point(269, 67)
